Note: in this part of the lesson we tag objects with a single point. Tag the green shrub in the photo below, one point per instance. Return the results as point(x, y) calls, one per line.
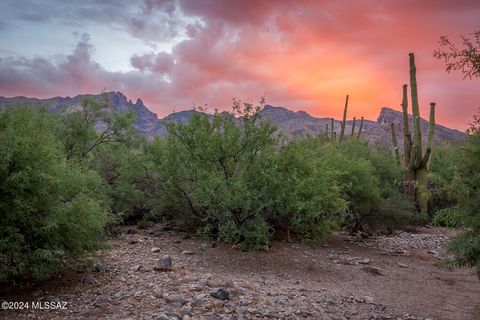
point(448, 217)
point(254, 236)
point(50, 208)
point(392, 213)
point(441, 175)
point(209, 171)
point(305, 193)
point(466, 247)
point(125, 170)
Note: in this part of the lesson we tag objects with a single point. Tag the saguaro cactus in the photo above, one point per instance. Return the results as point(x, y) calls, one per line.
point(394, 142)
point(360, 129)
point(331, 128)
point(416, 161)
point(344, 121)
point(353, 128)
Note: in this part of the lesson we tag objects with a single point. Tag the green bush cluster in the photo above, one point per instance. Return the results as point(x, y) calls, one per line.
point(211, 171)
point(455, 173)
point(230, 178)
point(66, 179)
point(50, 208)
point(466, 247)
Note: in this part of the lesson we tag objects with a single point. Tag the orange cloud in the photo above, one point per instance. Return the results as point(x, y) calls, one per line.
point(301, 54)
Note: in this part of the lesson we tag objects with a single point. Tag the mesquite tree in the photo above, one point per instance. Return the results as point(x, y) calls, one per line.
point(415, 158)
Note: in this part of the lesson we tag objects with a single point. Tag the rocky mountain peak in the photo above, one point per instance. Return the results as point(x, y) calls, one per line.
point(388, 115)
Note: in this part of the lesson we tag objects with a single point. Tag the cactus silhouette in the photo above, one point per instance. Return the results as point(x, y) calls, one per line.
point(415, 159)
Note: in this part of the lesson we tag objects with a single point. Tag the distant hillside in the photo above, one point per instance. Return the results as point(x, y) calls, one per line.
point(292, 124)
point(381, 133)
point(147, 121)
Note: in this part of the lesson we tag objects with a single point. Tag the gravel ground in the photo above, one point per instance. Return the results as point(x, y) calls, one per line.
point(395, 277)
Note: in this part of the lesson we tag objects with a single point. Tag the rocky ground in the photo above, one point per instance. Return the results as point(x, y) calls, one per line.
point(396, 277)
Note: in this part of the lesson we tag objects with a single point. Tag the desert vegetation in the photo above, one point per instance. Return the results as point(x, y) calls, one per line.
point(69, 180)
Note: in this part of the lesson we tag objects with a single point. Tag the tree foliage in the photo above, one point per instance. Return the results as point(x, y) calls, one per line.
point(50, 208)
point(95, 124)
point(210, 169)
point(465, 59)
point(466, 247)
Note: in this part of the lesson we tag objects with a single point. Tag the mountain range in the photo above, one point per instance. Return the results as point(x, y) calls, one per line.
point(291, 124)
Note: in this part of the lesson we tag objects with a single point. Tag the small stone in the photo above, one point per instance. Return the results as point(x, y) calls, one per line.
point(202, 283)
point(187, 253)
point(99, 267)
point(88, 279)
point(175, 299)
point(185, 311)
point(164, 263)
point(101, 302)
point(137, 267)
point(334, 257)
point(155, 249)
point(364, 261)
point(133, 241)
point(368, 299)
point(198, 300)
point(177, 241)
point(156, 232)
point(220, 293)
point(401, 265)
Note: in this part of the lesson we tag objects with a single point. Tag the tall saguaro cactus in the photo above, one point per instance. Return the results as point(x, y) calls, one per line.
point(416, 161)
point(344, 121)
point(360, 129)
point(331, 127)
point(353, 127)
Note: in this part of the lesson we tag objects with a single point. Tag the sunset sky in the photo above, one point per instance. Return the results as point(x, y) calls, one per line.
point(304, 55)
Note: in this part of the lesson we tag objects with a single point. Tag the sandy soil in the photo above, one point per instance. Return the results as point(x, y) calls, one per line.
point(398, 277)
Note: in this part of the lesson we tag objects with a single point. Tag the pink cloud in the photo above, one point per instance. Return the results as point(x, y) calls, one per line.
point(303, 55)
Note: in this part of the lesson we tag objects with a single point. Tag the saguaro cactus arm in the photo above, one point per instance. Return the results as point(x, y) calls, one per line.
point(415, 108)
point(417, 149)
point(407, 138)
point(344, 121)
point(394, 142)
point(411, 164)
point(431, 131)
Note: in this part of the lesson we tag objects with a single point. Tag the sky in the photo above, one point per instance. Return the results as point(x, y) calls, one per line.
point(301, 54)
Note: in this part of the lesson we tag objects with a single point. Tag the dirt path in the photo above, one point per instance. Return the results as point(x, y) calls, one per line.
point(382, 278)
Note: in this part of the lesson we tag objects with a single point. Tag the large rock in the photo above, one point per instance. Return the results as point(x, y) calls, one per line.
point(220, 293)
point(164, 263)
